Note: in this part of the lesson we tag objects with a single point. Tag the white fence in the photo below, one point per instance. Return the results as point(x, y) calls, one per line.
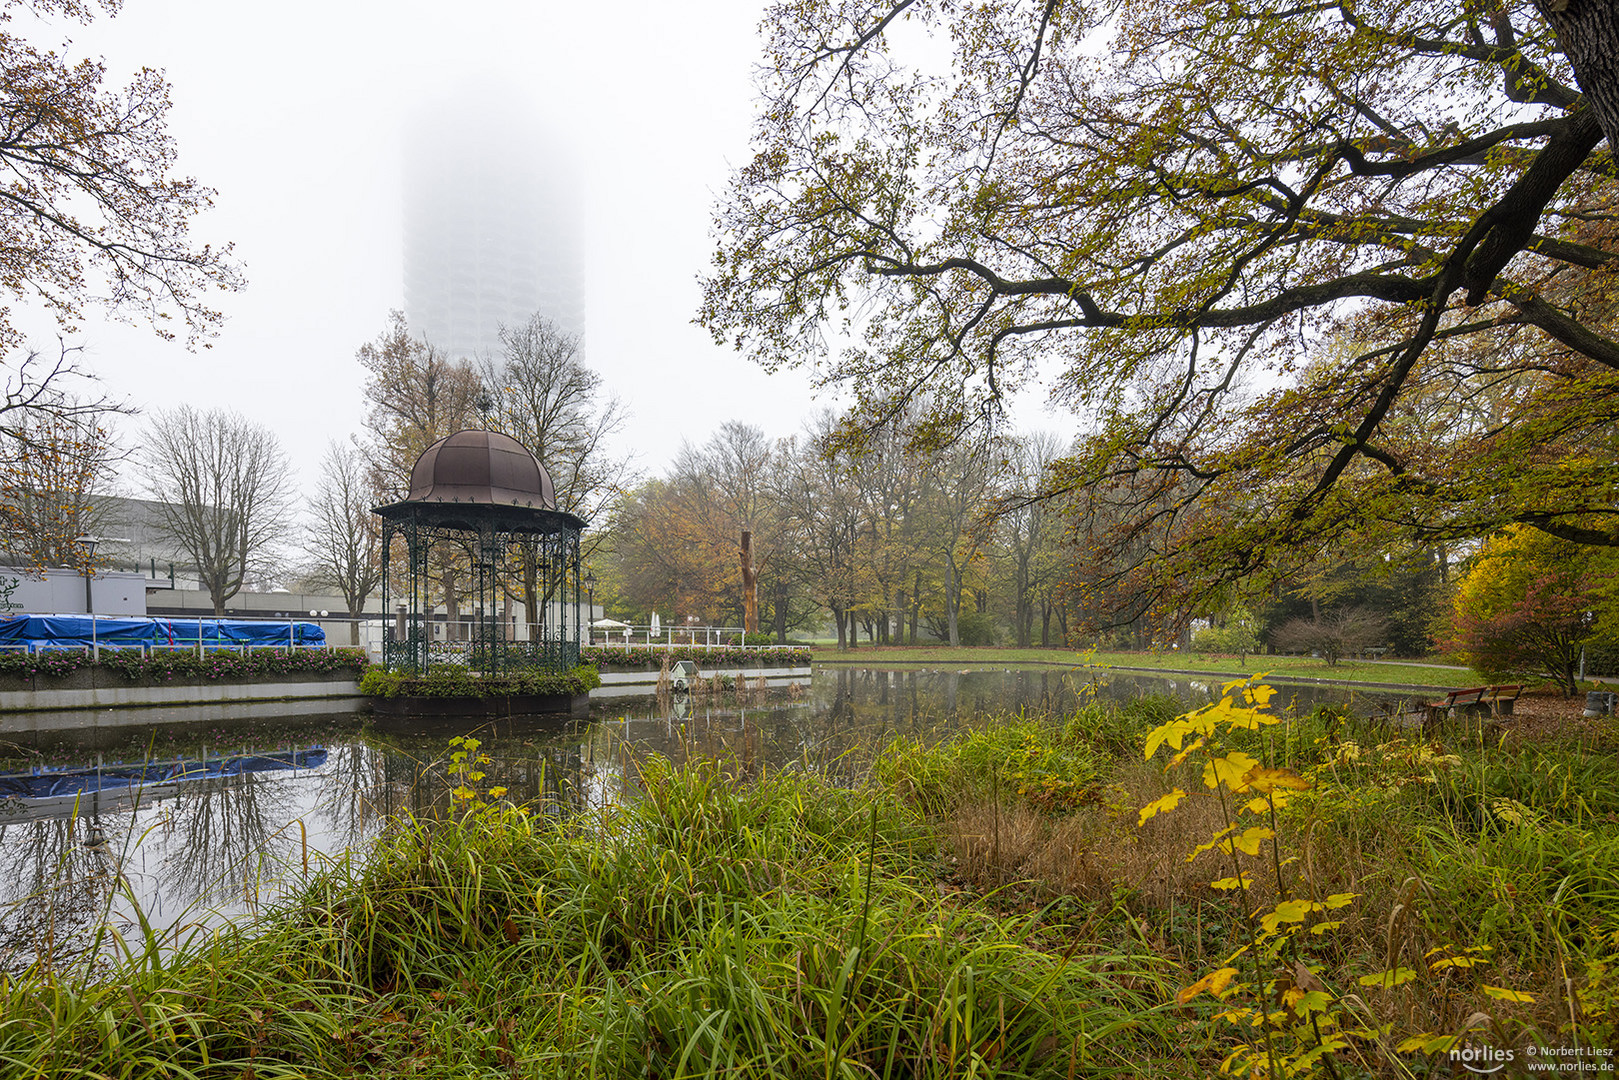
point(646, 637)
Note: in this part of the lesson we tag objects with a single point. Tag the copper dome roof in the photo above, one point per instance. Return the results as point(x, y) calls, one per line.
point(481, 467)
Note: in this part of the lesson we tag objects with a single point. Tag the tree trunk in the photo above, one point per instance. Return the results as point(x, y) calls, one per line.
point(1588, 34)
point(750, 587)
point(780, 612)
point(452, 606)
point(530, 569)
point(916, 606)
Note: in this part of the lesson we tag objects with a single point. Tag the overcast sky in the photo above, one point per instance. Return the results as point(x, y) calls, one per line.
point(294, 113)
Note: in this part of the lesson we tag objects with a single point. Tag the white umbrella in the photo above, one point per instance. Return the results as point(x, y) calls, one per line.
point(609, 624)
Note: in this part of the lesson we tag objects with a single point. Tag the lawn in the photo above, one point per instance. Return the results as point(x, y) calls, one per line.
point(1279, 667)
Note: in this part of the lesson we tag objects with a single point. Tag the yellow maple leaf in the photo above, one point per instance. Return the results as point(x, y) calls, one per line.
point(1289, 911)
point(1173, 733)
point(1213, 841)
point(1191, 748)
point(1265, 780)
point(1248, 843)
point(1228, 770)
point(1393, 977)
point(1160, 805)
point(1213, 982)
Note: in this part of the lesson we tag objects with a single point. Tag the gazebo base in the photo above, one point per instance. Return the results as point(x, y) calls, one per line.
point(410, 707)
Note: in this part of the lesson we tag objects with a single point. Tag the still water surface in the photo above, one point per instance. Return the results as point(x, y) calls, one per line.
point(298, 790)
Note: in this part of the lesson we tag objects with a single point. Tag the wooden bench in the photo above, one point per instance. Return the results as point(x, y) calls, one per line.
point(1457, 700)
point(1501, 699)
point(1492, 700)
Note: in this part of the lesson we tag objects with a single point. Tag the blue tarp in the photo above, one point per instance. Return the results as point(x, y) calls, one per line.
point(75, 632)
point(80, 781)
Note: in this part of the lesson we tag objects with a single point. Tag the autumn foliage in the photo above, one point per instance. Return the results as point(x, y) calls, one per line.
point(1306, 274)
point(1529, 605)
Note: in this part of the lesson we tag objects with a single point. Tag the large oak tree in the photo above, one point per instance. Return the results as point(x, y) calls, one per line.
point(1306, 272)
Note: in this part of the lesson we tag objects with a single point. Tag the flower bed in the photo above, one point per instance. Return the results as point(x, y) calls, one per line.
point(459, 683)
point(168, 666)
point(607, 657)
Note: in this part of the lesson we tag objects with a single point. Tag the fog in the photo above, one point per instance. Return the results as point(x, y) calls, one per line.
point(300, 115)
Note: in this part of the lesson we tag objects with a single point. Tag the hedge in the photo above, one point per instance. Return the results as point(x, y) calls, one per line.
point(445, 682)
point(167, 665)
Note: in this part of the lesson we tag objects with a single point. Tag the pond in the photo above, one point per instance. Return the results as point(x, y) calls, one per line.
point(190, 824)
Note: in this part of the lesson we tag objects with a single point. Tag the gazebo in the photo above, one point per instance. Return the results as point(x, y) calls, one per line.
point(479, 525)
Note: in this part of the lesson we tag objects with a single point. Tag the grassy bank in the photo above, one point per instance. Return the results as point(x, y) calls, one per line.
point(1400, 895)
point(778, 929)
point(1280, 667)
point(992, 906)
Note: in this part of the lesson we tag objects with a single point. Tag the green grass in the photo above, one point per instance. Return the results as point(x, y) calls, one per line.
point(1280, 667)
point(779, 929)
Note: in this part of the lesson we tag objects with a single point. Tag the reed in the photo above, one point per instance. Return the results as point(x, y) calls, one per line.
point(784, 928)
point(1504, 855)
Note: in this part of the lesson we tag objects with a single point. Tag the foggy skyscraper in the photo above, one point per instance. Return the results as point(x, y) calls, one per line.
point(491, 225)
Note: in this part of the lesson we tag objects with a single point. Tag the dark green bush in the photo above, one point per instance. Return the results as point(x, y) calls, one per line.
point(976, 628)
point(762, 640)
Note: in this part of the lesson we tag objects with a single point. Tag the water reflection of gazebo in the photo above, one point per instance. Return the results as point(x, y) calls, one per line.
point(481, 510)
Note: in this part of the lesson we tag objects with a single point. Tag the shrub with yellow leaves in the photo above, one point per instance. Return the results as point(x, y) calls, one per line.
point(1288, 1020)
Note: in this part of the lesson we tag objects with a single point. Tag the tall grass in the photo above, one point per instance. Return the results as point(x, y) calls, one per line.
point(986, 906)
point(782, 929)
point(1450, 844)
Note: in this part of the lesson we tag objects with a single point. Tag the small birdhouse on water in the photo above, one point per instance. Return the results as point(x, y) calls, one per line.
point(683, 674)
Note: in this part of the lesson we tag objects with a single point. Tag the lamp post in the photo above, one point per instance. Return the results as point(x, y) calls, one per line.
point(590, 591)
point(89, 544)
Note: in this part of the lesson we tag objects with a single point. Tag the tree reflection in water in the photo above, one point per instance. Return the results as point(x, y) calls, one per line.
point(226, 837)
point(56, 889)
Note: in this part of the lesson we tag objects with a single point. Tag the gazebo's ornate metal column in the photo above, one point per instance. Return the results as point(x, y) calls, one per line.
point(481, 510)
